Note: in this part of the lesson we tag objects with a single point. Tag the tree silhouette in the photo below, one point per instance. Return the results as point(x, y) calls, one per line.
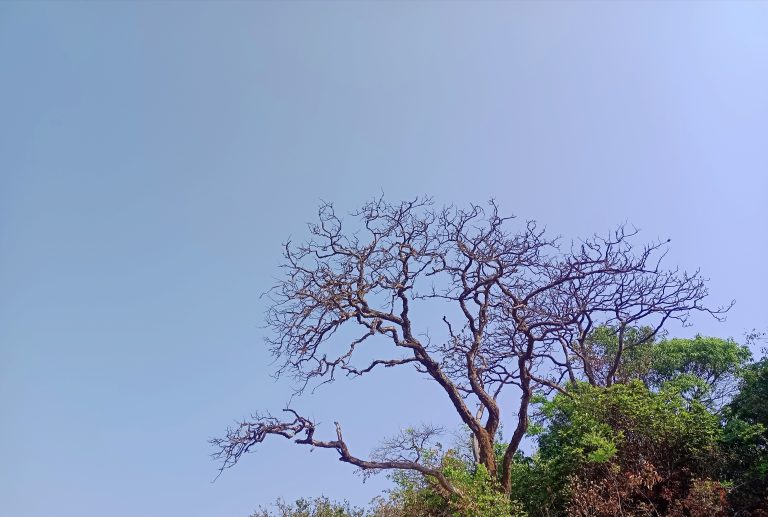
point(516, 309)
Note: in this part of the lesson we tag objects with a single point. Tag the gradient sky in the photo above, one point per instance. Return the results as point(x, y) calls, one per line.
point(153, 156)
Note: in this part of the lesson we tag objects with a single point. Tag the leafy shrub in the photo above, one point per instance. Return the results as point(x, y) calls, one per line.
point(626, 450)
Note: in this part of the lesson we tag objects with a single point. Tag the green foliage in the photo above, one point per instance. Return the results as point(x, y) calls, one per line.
point(317, 507)
point(703, 368)
point(592, 422)
point(597, 438)
point(708, 358)
point(663, 441)
point(746, 440)
point(537, 484)
point(481, 495)
point(751, 403)
point(602, 346)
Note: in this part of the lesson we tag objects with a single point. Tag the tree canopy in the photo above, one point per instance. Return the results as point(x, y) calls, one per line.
point(576, 326)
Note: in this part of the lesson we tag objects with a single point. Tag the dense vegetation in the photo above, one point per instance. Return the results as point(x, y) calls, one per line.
point(685, 433)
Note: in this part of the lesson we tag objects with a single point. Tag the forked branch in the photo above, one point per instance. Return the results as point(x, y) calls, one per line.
point(240, 440)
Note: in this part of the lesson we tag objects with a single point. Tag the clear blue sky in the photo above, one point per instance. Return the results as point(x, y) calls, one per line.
point(153, 156)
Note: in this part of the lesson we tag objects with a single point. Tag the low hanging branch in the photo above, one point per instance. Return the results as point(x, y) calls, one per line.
point(239, 440)
point(516, 310)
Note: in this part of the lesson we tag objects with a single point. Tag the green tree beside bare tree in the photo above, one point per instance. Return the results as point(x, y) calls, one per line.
point(518, 309)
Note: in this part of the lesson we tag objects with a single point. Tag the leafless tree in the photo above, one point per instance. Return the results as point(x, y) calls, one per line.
point(516, 309)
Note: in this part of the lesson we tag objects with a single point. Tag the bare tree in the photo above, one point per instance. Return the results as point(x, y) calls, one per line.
point(516, 307)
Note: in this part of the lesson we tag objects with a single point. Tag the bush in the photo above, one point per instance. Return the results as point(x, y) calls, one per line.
point(627, 450)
